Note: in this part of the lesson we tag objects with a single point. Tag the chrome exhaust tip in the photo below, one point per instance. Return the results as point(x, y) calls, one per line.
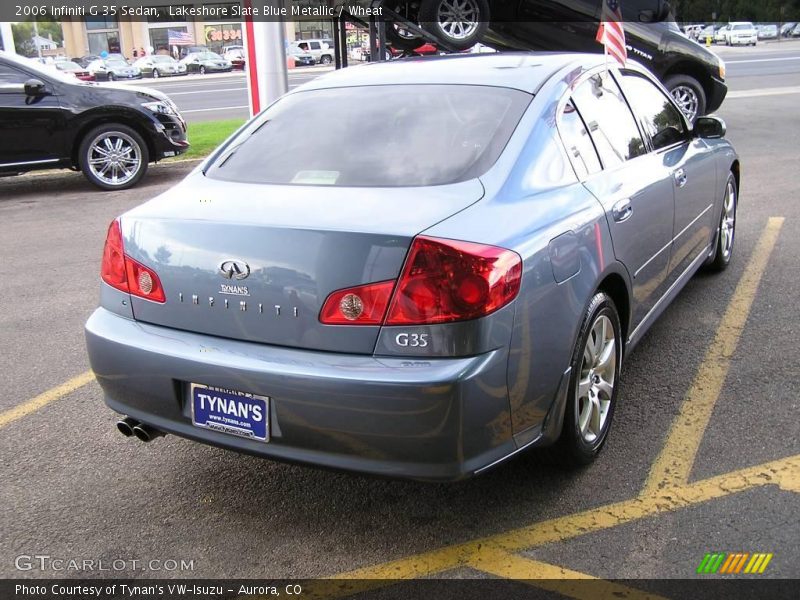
point(146, 433)
point(126, 425)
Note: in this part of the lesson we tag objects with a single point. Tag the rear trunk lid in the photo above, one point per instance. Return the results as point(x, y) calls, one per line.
point(256, 262)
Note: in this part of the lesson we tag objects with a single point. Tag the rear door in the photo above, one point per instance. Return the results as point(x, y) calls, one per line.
point(634, 187)
point(691, 162)
point(32, 127)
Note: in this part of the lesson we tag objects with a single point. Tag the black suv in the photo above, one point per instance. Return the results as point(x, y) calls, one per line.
point(694, 75)
point(109, 132)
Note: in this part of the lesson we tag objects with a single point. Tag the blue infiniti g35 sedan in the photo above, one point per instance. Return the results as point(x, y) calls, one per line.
point(454, 274)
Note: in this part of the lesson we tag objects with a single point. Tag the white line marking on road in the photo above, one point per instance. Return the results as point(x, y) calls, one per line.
point(757, 60)
point(765, 92)
point(194, 110)
point(207, 91)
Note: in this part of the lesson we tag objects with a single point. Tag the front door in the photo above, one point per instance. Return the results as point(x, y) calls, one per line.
point(32, 127)
point(634, 186)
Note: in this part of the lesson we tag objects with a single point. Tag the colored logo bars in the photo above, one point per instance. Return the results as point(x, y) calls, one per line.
point(730, 563)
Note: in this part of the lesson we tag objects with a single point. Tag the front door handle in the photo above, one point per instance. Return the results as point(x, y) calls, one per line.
point(680, 178)
point(622, 210)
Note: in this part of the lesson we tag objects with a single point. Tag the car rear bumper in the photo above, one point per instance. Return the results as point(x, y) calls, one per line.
point(436, 419)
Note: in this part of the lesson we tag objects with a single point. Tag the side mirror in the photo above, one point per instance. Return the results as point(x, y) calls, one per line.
point(35, 87)
point(660, 13)
point(710, 127)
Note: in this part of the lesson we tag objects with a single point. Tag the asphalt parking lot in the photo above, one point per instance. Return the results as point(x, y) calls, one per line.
point(704, 454)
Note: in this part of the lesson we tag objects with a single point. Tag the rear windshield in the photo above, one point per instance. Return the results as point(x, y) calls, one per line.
point(392, 135)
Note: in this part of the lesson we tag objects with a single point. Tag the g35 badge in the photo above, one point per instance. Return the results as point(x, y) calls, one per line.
point(411, 340)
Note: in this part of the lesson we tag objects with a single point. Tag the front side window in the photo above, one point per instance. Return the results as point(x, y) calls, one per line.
point(661, 119)
point(10, 76)
point(383, 135)
point(609, 120)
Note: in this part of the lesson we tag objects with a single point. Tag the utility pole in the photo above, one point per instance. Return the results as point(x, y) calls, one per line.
point(36, 39)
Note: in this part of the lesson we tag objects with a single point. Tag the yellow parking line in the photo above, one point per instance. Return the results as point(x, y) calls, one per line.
point(561, 580)
point(43, 399)
point(675, 461)
point(784, 472)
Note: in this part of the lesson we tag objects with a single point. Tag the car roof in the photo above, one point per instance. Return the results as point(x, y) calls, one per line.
point(525, 71)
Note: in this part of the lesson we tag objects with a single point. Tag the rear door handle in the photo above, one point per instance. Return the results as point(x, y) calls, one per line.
point(622, 210)
point(680, 177)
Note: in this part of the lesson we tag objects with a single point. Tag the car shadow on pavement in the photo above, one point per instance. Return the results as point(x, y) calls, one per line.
point(52, 184)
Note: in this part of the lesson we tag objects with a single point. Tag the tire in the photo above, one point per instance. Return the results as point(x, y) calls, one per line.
point(110, 77)
point(400, 38)
point(156, 74)
point(726, 230)
point(458, 34)
point(202, 70)
point(688, 94)
point(325, 59)
point(131, 155)
point(590, 406)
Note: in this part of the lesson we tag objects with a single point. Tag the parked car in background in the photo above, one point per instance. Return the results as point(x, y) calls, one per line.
point(721, 36)
point(186, 50)
point(709, 31)
point(471, 295)
point(50, 120)
point(796, 31)
point(109, 69)
point(74, 69)
point(206, 62)
point(741, 34)
point(85, 60)
point(767, 31)
point(321, 49)
point(786, 29)
point(237, 57)
point(116, 56)
point(301, 57)
point(226, 49)
point(693, 74)
point(158, 65)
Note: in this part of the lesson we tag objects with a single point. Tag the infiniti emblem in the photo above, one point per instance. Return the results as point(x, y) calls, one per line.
point(234, 269)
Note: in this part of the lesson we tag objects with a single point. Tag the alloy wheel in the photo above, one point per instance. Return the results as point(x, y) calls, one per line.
point(687, 100)
point(727, 227)
point(595, 388)
point(114, 158)
point(458, 18)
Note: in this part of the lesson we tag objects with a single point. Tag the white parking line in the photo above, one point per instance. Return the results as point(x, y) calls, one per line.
point(194, 110)
point(757, 60)
point(764, 92)
point(207, 91)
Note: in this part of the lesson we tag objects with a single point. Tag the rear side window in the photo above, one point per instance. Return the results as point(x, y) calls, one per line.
point(388, 135)
point(577, 141)
point(611, 124)
point(661, 119)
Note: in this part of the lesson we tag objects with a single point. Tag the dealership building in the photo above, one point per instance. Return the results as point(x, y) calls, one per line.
point(94, 35)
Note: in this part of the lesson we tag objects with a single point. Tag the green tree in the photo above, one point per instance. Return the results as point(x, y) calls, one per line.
point(23, 35)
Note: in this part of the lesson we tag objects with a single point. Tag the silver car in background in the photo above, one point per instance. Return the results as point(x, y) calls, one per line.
point(425, 300)
point(159, 65)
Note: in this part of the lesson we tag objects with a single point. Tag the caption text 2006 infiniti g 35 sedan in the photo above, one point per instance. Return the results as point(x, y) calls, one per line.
point(454, 276)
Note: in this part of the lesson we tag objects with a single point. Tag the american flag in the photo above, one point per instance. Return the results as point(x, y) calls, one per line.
point(179, 38)
point(610, 33)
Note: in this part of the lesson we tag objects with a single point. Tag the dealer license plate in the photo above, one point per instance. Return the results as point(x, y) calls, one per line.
point(230, 411)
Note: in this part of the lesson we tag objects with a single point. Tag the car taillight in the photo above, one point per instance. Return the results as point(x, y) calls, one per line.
point(124, 273)
point(442, 281)
point(361, 305)
point(448, 280)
